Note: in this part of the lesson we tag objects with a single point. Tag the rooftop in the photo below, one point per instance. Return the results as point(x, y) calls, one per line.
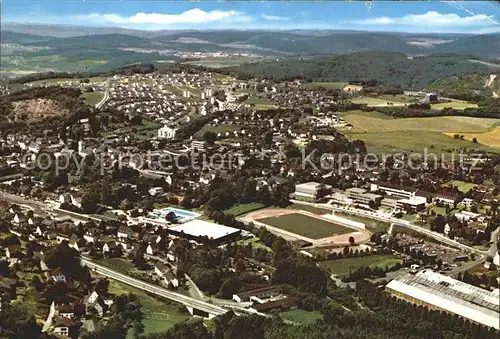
point(452, 295)
point(200, 228)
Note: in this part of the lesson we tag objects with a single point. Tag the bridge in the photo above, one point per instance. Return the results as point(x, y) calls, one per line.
point(194, 306)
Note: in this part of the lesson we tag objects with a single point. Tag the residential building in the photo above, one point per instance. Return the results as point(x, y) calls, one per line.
point(167, 132)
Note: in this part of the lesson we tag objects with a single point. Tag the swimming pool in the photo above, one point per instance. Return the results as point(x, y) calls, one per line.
point(182, 215)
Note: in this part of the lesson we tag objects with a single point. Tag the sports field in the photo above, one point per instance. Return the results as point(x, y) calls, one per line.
point(305, 225)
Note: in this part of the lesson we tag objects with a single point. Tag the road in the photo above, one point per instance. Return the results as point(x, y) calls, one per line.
point(185, 300)
point(105, 98)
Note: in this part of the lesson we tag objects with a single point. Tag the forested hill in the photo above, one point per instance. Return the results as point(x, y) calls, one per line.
point(387, 67)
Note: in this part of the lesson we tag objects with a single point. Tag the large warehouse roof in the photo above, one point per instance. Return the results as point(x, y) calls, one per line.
point(448, 294)
point(200, 228)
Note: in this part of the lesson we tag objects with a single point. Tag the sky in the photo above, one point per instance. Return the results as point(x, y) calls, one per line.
point(401, 16)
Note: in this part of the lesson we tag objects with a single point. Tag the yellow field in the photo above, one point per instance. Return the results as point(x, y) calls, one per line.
point(376, 122)
point(377, 101)
point(491, 138)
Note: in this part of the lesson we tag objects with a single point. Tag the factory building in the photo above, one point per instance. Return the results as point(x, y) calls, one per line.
point(440, 292)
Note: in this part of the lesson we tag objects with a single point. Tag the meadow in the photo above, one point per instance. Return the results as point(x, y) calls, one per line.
point(259, 103)
point(92, 98)
point(342, 267)
point(327, 85)
point(159, 316)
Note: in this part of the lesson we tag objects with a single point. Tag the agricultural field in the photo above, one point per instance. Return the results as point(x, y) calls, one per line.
point(158, 316)
point(382, 133)
point(92, 98)
point(301, 316)
point(455, 104)
point(377, 102)
point(342, 267)
point(490, 138)
point(305, 225)
point(327, 85)
point(461, 185)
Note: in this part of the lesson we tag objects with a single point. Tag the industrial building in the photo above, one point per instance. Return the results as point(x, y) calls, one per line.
point(202, 231)
point(440, 292)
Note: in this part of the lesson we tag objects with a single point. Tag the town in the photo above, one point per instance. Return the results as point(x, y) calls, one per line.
point(179, 200)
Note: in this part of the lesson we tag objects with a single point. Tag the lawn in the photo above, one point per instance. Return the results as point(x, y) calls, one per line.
point(490, 138)
point(309, 208)
point(158, 316)
point(240, 209)
point(461, 185)
point(371, 225)
point(92, 98)
point(222, 128)
point(302, 316)
point(327, 85)
point(118, 264)
point(306, 226)
point(342, 267)
point(259, 103)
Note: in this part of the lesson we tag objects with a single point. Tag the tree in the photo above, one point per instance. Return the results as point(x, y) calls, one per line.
point(351, 240)
point(474, 140)
point(16, 321)
point(209, 137)
point(171, 217)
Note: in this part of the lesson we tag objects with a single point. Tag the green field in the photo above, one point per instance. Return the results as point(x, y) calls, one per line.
point(222, 128)
point(302, 316)
point(158, 316)
point(327, 85)
point(259, 103)
point(309, 208)
point(92, 98)
point(454, 104)
point(461, 185)
point(240, 209)
point(306, 226)
point(118, 264)
point(377, 122)
point(342, 267)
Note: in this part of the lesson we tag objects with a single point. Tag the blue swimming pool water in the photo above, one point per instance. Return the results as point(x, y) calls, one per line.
point(181, 214)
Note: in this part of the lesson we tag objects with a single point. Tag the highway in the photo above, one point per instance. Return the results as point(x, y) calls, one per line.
point(185, 300)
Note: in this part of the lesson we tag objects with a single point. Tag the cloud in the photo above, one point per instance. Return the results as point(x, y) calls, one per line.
point(432, 19)
point(274, 17)
point(192, 16)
